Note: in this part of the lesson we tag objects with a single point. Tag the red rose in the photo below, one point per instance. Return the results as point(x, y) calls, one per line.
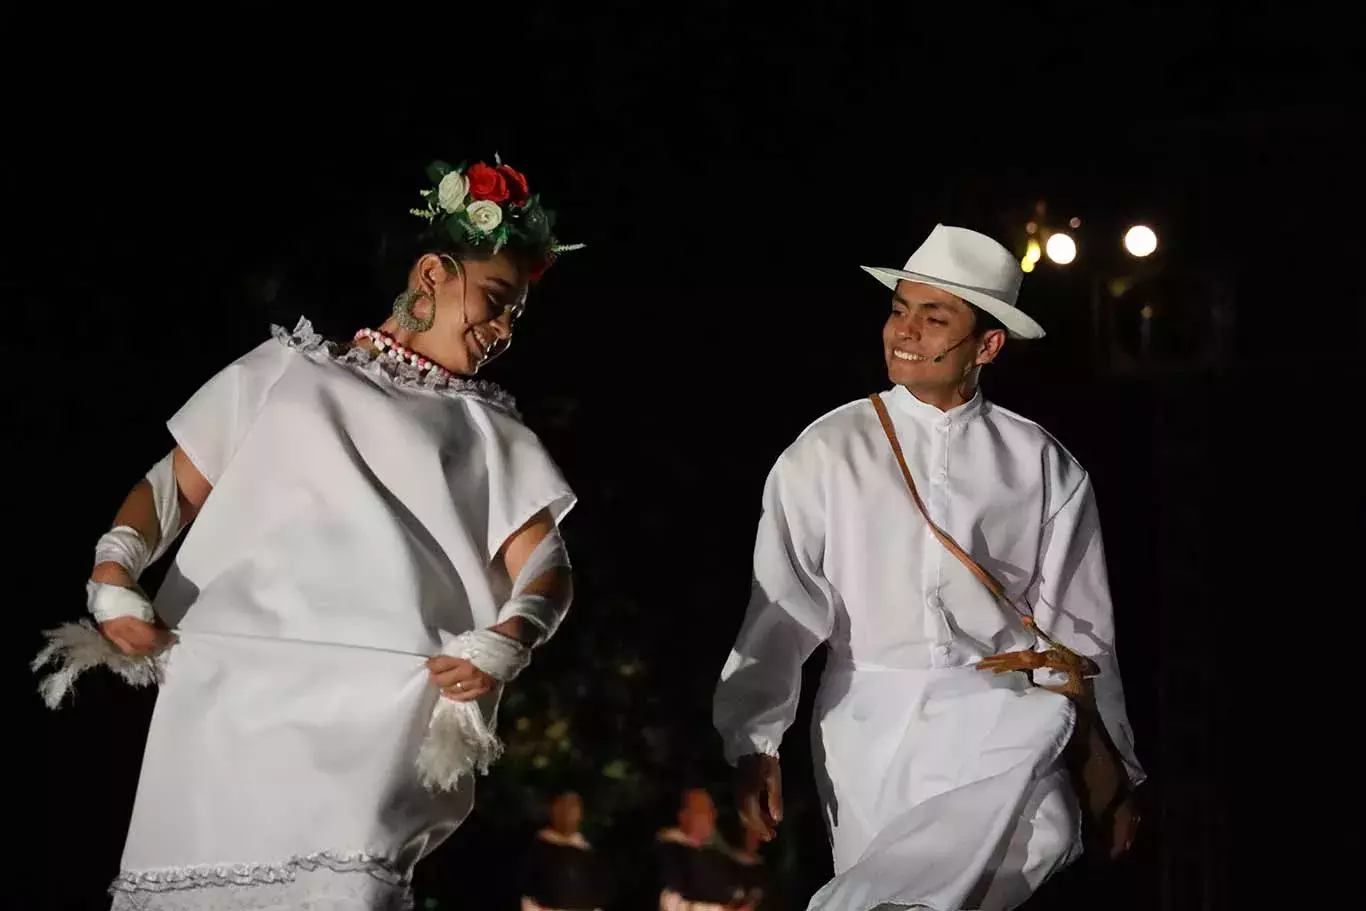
point(487, 183)
point(516, 183)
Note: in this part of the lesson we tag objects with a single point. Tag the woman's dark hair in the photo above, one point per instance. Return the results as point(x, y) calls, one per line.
point(400, 244)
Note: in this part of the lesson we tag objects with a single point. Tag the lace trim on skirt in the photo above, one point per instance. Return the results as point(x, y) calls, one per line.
point(306, 881)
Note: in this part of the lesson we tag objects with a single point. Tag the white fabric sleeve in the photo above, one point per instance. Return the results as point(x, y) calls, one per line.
point(790, 613)
point(542, 611)
point(212, 424)
point(1072, 605)
point(522, 477)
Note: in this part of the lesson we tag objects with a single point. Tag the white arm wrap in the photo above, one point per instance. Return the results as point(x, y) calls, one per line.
point(124, 546)
point(166, 498)
point(541, 611)
point(499, 656)
point(109, 602)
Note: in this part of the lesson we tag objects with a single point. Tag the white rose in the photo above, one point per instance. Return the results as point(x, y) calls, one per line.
point(484, 215)
point(451, 192)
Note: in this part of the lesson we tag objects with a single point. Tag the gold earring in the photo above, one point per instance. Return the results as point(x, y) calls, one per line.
point(404, 314)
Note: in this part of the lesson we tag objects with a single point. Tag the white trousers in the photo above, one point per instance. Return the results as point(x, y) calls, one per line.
point(942, 788)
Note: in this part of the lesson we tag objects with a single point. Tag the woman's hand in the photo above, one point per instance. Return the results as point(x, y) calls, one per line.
point(458, 679)
point(136, 637)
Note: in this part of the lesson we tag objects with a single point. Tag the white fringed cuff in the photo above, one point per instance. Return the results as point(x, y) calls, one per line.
point(74, 648)
point(458, 739)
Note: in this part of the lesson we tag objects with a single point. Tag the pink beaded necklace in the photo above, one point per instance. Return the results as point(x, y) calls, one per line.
point(393, 350)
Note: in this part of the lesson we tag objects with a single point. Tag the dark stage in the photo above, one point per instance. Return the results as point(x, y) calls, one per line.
point(729, 174)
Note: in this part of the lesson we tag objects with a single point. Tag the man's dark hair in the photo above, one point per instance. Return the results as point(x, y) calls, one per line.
point(983, 322)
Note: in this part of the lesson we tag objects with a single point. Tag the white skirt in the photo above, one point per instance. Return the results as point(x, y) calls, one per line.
point(280, 774)
point(942, 789)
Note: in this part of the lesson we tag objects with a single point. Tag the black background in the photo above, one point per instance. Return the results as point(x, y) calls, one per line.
point(166, 198)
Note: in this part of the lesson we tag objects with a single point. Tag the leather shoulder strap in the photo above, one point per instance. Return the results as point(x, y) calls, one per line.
point(987, 579)
point(1059, 656)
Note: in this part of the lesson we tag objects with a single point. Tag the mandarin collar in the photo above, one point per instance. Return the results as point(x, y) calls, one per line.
point(931, 415)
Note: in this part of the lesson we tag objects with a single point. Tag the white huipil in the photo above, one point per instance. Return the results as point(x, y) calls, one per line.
point(941, 784)
point(356, 514)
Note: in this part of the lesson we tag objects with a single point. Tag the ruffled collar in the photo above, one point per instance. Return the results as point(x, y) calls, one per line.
point(405, 376)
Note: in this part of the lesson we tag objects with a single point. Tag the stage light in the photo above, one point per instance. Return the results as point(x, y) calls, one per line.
point(1061, 249)
point(1140, 240)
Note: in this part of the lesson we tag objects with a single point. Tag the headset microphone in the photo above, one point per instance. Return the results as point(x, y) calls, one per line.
point(943, 354)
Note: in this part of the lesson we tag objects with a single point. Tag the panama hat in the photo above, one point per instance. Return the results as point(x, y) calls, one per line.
point(971, 266)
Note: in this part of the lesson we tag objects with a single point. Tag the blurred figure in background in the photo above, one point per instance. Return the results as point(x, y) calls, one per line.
point(563, 872)
point(695, 873)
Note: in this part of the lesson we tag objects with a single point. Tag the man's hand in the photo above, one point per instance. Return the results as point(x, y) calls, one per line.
point(1124, 826)
point(136, 637)
point(759, 783)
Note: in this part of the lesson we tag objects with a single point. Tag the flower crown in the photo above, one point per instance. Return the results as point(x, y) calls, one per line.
point(490, 208)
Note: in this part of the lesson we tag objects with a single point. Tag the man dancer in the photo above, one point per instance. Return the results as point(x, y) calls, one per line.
point(930, 538)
